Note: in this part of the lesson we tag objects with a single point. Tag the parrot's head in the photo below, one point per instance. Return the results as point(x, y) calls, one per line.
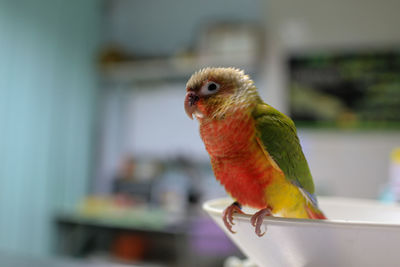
point(214, 93)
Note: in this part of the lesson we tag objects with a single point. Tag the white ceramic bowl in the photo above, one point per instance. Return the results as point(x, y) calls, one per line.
point(358, 233)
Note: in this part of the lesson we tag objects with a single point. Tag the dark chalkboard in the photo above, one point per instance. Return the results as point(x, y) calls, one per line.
point(357, 90)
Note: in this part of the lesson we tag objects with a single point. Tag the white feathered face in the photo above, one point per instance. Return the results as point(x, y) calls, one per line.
point(211, 92)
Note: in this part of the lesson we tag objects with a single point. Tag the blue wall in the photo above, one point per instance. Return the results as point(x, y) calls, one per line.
point(47, 100)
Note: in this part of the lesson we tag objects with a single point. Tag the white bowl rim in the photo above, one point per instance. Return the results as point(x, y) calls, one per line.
point(209, 207)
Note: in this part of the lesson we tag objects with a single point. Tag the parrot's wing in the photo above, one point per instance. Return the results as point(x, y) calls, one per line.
point(278, 136)
point(310, 197)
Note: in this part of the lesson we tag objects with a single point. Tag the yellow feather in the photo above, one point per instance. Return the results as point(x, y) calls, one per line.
point(285, 198)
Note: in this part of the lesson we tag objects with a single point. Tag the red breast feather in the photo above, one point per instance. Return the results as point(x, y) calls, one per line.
point(237, 160)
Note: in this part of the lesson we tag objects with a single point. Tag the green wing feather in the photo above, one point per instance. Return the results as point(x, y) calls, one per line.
point(278, 134)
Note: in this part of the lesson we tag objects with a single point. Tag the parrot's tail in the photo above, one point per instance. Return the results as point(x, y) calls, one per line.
point(311, 205)
point(314, 212)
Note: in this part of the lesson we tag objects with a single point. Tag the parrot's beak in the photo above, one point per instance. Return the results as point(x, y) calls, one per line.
point(191, 100)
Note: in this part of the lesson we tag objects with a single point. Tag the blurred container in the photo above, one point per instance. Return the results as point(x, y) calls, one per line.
point(392, 190)
point(395, 173)
point(129, 247)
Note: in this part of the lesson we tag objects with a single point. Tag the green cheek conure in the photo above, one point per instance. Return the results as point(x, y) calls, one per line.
point(254, 149)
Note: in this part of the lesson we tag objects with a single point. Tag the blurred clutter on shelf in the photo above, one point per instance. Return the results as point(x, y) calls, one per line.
point(152, 214)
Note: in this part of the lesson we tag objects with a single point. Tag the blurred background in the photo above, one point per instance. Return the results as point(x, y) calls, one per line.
point(99, 164)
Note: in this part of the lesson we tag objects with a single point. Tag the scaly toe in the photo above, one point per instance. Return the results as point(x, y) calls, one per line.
point(258, 227)
point(226, 220)
point(227, 216)
point(257, 220)
point(253, 220)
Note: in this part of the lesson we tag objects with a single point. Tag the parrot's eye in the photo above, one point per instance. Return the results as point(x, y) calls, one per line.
point(209, 88)
point(212, 87)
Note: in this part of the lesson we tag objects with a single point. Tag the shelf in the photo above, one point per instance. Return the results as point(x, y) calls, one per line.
point(165, 69)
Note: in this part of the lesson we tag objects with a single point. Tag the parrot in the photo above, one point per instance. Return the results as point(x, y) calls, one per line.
point(254, 149)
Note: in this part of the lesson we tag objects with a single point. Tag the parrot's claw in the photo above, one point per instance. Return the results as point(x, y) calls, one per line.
point(257, 220)
point(227, 215)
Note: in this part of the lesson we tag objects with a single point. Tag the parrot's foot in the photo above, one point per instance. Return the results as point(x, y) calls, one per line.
point(227, 215)
point(257, 220)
